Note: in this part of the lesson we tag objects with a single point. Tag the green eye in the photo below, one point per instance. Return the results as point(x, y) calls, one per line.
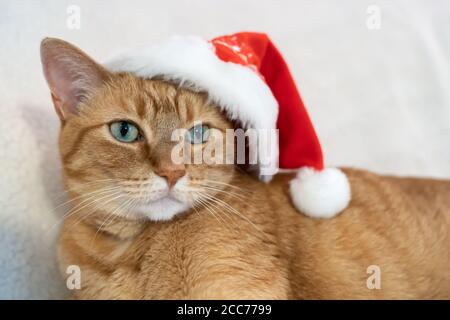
point(124, 131)
point(198, 134)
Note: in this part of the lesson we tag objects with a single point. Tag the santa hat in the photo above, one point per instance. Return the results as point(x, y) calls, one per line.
point(246, 76)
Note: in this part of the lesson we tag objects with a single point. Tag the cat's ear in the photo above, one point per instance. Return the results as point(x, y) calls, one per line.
point(71, 75)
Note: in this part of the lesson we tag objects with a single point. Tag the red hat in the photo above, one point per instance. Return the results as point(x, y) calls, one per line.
point(245, 75)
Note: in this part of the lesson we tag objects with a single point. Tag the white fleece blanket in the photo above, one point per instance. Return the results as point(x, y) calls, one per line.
point(380, 99)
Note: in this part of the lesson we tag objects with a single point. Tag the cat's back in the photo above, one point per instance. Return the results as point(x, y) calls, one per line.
point(398, 226)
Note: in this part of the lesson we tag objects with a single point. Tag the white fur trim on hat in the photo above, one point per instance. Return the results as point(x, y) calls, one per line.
point(192, 62)
point(320, 194)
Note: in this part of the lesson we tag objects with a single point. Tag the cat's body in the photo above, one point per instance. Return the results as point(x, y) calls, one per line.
point(399, 225)
point(143, 226)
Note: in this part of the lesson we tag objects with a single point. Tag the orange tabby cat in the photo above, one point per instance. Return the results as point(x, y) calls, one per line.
point(143, 227)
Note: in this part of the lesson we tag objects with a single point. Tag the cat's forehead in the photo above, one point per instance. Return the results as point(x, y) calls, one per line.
point(156, 100)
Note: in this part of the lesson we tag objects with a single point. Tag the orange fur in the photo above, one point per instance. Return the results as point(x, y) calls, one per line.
point(243, 239)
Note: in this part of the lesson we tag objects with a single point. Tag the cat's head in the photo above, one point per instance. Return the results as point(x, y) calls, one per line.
point(117, 138)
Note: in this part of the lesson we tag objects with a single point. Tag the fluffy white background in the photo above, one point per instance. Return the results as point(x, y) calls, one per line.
point(380, 99)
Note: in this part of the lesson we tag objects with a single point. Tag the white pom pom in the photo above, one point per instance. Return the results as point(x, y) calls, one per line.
point(320, 194)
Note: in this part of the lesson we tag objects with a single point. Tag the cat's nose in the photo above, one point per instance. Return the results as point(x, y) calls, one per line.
point(172, 173)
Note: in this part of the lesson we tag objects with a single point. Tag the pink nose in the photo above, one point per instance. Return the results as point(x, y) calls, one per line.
point(171, 173)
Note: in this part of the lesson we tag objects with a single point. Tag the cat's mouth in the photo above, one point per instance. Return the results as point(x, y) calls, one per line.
point(161, 202)
point(164, 208)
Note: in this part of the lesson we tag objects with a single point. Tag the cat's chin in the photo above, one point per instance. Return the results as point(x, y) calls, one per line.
point(162, 209)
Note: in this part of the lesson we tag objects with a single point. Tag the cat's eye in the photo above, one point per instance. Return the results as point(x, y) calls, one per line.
point(124, 131)
point(198, 134)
